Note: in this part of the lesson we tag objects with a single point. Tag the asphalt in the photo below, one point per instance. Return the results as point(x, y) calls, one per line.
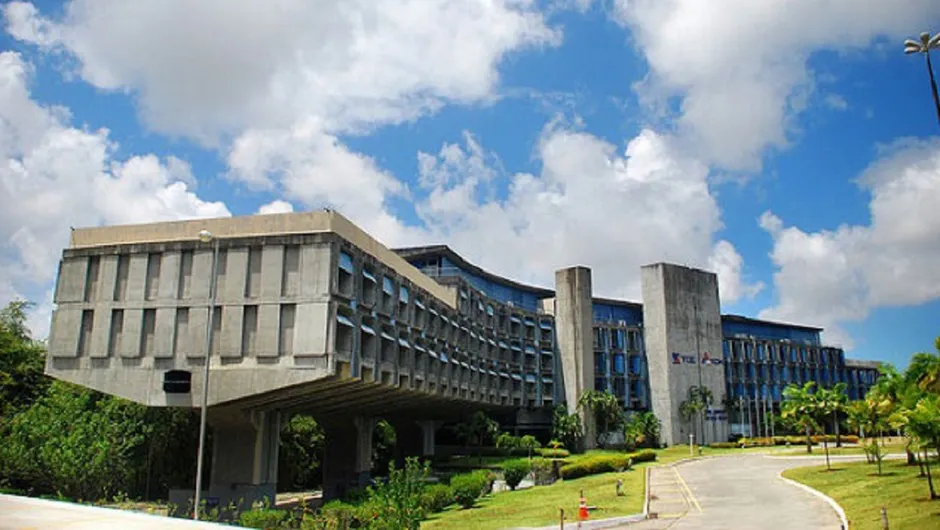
point(734, 492)
point(24, 513)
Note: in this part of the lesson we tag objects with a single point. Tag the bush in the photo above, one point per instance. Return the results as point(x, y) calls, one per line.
point(335, 515)
point(554, 453)
point(469, 487)
point(514, 471)
point(724, 445)
point(594, 464)
point(437, 497)
point(262, 518)
point(644, 456)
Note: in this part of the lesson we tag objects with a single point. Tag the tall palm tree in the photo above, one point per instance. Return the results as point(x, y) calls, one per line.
point(797, 407)
point(926, 44)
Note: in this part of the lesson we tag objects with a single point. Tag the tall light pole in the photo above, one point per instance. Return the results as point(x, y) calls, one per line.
point(926, 44)
point(206, 237)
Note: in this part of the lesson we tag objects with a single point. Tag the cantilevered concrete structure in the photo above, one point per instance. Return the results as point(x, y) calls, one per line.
point(314, 315)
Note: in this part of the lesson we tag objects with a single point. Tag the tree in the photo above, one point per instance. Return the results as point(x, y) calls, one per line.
point(477, 430)
point(567, 428)
point(302, 442)
point(700, 398)
point(529, 443)
point(924, 423)
point(507, 442)
point(837, 399)
point(642, 429)
point(870, 415)
point(801, 409)
point(606, 410)
point(21, 362)
point(829, 402)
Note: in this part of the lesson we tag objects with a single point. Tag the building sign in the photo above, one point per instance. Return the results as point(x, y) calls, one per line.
point(681, 358)
point(716, 414)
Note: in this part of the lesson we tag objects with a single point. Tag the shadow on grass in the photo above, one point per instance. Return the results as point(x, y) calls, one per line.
point(884, 474)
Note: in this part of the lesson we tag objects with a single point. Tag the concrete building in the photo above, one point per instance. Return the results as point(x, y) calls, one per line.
point(314, 315)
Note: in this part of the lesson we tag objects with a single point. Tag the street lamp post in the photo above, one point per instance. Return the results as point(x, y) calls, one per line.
point(206, 237)
point(926, 44)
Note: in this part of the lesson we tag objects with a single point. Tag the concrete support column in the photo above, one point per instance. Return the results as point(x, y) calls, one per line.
point(428, 432)
point(574, 325)
point(347, 459)
point(244, 459)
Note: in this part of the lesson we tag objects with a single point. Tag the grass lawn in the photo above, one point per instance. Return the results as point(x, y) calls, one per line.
point(539, 506)
point(862, 493)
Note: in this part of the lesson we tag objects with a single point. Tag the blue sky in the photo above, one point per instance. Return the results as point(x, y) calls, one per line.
point(528, 135)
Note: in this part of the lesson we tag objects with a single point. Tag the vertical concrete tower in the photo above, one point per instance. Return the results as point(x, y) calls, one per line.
point(682, 330)
point(574, 324)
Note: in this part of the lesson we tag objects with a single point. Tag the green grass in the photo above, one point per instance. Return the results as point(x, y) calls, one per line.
point(539, 506)
point(862, 493)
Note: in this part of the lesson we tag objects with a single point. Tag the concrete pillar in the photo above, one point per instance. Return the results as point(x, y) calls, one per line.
point(243, 466)
point(428, 432)
point(347, 458)
point(682, 323)
point(574, 325)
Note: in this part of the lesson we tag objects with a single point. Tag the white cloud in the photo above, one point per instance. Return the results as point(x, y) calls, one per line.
point(53, 176)
point(215, 67)
point(277, 206)
point(836, 102)
point(589, 205)
point(837, 276)
point(740, 66)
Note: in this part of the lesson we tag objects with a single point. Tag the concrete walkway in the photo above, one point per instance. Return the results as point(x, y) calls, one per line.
point(734, 492)
point(24, 513)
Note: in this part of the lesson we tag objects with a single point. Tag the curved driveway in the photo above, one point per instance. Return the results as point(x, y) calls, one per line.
point(735, 492)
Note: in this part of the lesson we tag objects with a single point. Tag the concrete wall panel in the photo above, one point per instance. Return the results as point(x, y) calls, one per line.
point(101, 333)
point(107, 278)
point(236, 271)
point(272, 266)
point(130, 339)
point(165, 328)
point(316, 264)
point(195, 345)
point(66, 323)
point(169, 276)
point(266, 345)
point(71, 284)
point(136, 278)
point(202, 270)
point(309, 333)
point(230, 341)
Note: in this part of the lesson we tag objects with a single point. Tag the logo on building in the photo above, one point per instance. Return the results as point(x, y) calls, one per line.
point(676, 358)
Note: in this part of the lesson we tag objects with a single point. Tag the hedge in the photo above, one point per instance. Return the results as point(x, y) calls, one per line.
point(436, 497)
point(724, 445)
point(469, 487)
point(554, 453)
point(793, 440)
point(604, 463)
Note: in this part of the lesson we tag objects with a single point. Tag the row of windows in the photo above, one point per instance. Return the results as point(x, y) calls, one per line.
point(606, 338)
point(736, 350)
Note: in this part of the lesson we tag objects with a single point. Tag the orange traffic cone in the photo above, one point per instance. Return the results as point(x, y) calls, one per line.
point(582, 510)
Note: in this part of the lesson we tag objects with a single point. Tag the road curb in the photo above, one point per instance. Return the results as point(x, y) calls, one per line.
point(832, 503)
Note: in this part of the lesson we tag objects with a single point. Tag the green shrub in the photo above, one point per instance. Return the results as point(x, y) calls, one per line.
point(594, 464)
point(644, 456)
point(850, 438)
point(263, 518)
point(437, 497)
point(468, 487)
point(554, 453)
point(514, 471)
point(334, 515)
point(723, 445)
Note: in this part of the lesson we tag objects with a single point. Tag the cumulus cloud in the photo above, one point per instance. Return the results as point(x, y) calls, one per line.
point(591, 204)
point(740, 68)
point(836, 276)
point(277, 206)
point(216, 67)
point(54, 176)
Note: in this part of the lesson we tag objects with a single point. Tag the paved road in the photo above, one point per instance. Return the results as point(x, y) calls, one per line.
point(735, 492)
point(22, 513)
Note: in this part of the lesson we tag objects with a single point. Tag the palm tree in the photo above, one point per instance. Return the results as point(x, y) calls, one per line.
point(606, 410)
point(801, 408)
point(871, 415)
point(838, 400)
point(926, 44)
